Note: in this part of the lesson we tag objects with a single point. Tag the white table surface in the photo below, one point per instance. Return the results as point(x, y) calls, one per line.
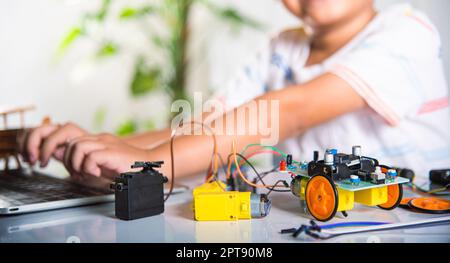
point(96, 223)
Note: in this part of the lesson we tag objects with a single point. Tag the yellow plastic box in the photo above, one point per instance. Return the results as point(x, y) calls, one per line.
point(213, 203)
point(373, 196)
point(346, 200)
point(222, 206)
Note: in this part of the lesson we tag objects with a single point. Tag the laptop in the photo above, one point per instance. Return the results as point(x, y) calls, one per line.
point(24, 191)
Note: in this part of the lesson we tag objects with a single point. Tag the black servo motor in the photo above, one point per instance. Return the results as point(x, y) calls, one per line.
point(140, 194)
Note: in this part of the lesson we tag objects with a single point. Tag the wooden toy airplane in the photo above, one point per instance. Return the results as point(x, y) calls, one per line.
point(9, 137)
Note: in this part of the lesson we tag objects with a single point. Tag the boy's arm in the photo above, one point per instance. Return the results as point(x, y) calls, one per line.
point(301, 107)
point(148, 140)
point(152, 139)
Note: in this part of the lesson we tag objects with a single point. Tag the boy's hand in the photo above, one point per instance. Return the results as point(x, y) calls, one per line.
point(43, 142)
point(101, 155)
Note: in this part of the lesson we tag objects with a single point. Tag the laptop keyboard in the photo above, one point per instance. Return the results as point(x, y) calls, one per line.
point(18, 188)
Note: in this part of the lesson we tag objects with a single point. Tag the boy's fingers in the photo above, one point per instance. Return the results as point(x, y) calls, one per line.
point(48, 147)
point(70, 147)
point(105, 162)
point(58, 154)
point(95, 160)
point(80, 151)
point(55, 139)
point(33, 140)
point(76, 176)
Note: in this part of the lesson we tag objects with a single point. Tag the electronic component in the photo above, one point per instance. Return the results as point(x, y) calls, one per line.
point(213, 203)
point(441, 177)
point(335, 183)
point(329, 158)
point(356, 150)
point(391, 174)
point(378, 177)
point(339, 166)
point(406, 173)
point(289, 160)
point(283, 166)
point(139, 194)
point(354, 179)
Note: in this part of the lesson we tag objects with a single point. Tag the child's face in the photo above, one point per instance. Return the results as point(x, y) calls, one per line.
point(321, 13)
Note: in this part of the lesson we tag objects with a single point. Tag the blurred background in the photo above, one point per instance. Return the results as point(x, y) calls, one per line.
point(116, 65)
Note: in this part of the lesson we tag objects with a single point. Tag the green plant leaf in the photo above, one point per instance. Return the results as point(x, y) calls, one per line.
point(77, 31)
point(127, 13)
point(126, 128)
point(233, 16)
point(73, 34)
point(159, 42)
point(238, 19)
point(145, 79)
point(131, 12)
point(107, 49)
point(101, 14)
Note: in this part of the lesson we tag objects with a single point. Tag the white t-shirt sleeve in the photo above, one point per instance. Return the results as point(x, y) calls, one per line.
point(249, 82)
point(389, 68)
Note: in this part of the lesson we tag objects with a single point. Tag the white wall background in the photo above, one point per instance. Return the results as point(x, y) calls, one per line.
point(73, 89)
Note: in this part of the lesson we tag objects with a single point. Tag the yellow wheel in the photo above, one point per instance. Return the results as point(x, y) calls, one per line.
point(321, 197)
point(395, 194)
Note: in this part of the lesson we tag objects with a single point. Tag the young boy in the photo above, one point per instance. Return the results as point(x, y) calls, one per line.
point(358, 78)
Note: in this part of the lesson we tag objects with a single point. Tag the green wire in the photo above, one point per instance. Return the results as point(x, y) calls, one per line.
point(263, 146)
point(267, 147)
